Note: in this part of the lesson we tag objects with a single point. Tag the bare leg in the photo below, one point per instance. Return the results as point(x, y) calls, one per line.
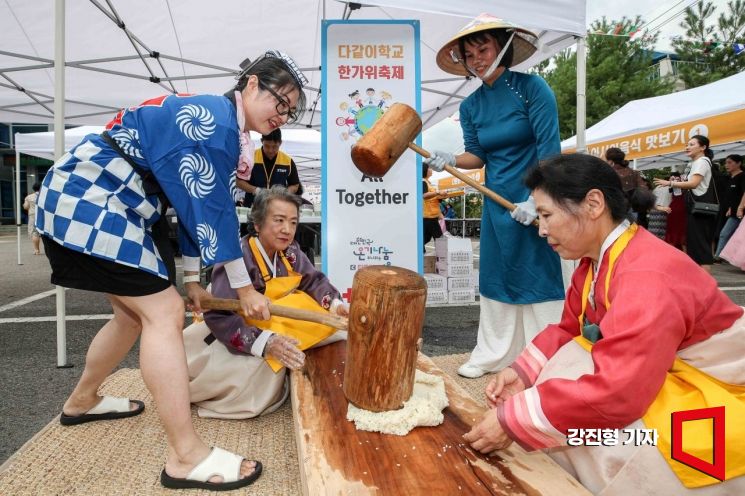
point(36, 241)
point(163, 366)
point(106, 351)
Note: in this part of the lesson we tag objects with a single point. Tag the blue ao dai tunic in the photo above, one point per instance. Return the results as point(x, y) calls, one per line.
point(511, 125)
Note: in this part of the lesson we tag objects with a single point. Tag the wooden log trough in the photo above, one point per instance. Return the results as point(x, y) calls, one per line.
point(337, 459)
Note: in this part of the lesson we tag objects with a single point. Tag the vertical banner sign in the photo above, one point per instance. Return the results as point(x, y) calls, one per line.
point(368, 65)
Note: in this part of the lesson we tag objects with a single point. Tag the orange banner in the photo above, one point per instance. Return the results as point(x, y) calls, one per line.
point(720, 129)
point(451, 182)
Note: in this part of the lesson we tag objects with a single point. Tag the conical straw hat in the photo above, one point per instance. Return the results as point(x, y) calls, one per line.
point(523, 44)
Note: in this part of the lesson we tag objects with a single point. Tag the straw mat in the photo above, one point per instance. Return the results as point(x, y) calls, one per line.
point(474, 387)
point(125, 457)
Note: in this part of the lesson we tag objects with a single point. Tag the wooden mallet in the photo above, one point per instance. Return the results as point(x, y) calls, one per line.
point(335, 321)
point(380, 147)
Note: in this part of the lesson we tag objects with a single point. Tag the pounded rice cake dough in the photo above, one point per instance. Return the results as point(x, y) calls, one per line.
point(424, 408)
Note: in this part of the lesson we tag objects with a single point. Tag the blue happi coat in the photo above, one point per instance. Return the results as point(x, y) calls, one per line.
point(93, 201)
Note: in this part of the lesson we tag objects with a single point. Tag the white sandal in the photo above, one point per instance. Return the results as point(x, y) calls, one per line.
point(220, 463)
point(108, 408)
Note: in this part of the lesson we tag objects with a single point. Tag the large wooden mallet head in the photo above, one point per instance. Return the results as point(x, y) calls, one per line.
point(379, 148)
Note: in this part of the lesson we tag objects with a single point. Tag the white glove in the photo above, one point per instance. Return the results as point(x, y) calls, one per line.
point(525, 212)
point(439, 159)
point(285, 350)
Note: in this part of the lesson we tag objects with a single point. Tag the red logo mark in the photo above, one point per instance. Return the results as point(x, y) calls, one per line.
point(715, 469)
point(347, 295)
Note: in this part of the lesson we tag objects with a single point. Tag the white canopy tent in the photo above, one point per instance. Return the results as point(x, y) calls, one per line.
point(119, 53)
point(42, 144)
point(654, 131)
point(108, 56)
point(446, 135)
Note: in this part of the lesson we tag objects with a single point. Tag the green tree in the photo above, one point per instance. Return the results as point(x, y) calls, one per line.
point(619, 70)
point(706, 50)
point(474, 204)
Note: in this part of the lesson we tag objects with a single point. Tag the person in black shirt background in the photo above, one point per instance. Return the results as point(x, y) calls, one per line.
point(730, 199)
point(271, 166)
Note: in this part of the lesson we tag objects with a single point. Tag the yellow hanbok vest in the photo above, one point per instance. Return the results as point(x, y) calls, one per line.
point(281, 159)
point(283, 291)
point(685, 388)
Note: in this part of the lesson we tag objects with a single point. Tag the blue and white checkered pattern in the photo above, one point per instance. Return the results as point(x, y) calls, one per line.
point(93, 201)
point(78, 209)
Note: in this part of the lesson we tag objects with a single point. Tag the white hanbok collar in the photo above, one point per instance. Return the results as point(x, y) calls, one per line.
point(609, 240)
point(271, 264)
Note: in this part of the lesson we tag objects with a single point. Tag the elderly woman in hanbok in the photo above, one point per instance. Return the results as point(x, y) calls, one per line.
point(645, 333)
point(509, 123)
point(101, 214)
point(237, 366)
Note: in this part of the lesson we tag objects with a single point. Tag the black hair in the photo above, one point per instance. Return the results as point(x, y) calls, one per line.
point(37, 186)
point(704, 141)
point(425, 168)
point(370, 89)
point(273, 72)
point(275, 135)
point(736, 158)
point(354, 93)
point(617, 156)
point(501, 35)
point(568, 178)
point(642, 200)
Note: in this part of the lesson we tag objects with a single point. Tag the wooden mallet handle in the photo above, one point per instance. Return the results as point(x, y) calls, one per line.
point(335, 321)
point(470, 181)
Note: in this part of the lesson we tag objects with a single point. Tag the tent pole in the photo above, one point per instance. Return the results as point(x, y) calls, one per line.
point(581, 94)
point(59, 149)
point(18, 203)
point(581, 119)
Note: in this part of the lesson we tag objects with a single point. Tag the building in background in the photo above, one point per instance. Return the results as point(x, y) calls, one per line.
point(667, 64)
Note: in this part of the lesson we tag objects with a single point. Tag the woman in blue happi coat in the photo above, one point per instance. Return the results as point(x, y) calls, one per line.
point(100, 213)
point(509, 123)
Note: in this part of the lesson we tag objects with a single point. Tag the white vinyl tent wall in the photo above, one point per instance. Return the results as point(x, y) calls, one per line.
point(122, 52)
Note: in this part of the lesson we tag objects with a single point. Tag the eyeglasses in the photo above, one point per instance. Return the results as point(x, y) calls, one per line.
point(283, 106)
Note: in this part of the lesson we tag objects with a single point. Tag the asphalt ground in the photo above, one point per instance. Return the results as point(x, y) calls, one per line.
point(33, 389)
